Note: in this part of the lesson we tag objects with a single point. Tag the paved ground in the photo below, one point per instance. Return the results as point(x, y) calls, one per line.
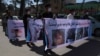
point(82, 48)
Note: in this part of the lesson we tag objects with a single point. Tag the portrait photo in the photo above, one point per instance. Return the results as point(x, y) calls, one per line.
point(85, 32)
point(58, 37)
point(16, 32)
point(71, 34)
point(79, 34)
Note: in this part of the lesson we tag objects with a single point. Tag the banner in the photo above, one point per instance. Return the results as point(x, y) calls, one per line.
point(35, 27)
point(58, 32)
point(16, 30)
point(63, 31)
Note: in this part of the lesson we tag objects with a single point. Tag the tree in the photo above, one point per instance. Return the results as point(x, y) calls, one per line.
point(0, 2)
point(2, 7)
point(82, 4)
point(92, 2)
point(22, 8)
point(11, 7)
point(45, 2)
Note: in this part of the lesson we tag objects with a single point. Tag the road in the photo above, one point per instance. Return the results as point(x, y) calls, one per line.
point(82, 48)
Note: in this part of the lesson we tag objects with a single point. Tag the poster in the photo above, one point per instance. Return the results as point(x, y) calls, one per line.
point(16, 30)
point(60, 31)
point(58, 37)
point(82, 29)
point(35, 27)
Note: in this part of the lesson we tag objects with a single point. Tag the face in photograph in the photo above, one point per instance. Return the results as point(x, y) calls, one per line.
point(71, 34)
point(58, 37)
point(17, 32)
point(79, 33)
point(85, 31)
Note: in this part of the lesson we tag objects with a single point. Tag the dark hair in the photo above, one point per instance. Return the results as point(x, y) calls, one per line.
point(28, 10)
point(71, 11)
point(47, 6)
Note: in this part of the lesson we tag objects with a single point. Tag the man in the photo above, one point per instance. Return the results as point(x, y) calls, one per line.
point(70, 15)
point(3, 20)
point(47, 14)
point(26, 26)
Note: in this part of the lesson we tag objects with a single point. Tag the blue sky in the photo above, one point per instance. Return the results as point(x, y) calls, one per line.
point(79, 1)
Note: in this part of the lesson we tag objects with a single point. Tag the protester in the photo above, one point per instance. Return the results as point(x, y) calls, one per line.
point(8, 16)
point(26, 17)
point(55, 13)
point(77, 15)
point(71, 14)
point(4, 20)
point(47, 14)
point(86, 15)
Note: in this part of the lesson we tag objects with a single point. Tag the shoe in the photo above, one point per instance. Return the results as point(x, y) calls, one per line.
point(11, 40)
point(50, 51)
point(32, 44)
point(29, 44)
point(46, 53)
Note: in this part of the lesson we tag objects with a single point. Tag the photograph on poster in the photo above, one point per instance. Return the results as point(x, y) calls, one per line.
point(85, 31)
point(17, 32)
point(71, 35)
point(79, 34)
point(58, 37)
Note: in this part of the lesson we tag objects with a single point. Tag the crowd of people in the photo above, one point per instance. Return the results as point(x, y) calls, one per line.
point(47, 14)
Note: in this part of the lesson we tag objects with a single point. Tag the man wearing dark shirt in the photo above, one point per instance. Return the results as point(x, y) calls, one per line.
point(26, 26)
point(47, 14)
point(25, 20)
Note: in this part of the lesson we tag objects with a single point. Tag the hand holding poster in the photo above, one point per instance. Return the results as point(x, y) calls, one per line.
point(16, 30)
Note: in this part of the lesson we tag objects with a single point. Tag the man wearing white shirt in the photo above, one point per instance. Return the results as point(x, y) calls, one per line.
point(70, 15)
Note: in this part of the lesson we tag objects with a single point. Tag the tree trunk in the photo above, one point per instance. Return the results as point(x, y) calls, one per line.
point(22, 8)
point(45, 2)
point(82, 4)
point(0, 3)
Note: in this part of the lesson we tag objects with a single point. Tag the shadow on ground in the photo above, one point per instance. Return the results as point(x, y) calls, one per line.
point(17, 43)
point(91, 48)
point(40, 51)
